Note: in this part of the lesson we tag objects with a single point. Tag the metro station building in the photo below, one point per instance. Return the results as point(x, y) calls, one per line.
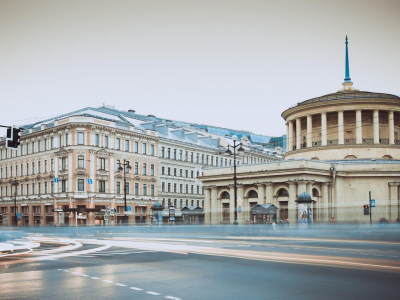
point(340, 146)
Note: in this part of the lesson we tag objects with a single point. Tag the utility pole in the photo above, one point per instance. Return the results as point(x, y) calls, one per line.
point(370, 209)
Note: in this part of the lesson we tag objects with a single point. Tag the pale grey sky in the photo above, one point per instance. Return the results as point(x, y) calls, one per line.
point(235, 64)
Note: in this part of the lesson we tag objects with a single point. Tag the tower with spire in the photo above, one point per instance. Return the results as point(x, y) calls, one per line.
point(347, 84)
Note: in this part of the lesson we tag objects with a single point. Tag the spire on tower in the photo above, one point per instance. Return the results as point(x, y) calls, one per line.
point(347, 75)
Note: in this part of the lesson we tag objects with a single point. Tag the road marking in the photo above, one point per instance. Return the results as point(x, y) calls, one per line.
point(378, 255)
point(84, 275)
point(65, 270)
point(394, 256)
point(173, 298)
point(95, 277)
point(77, 273)
point(59, 269)
point(135, 288)
point(153, 293)
point(120, 284)
point(108, 281)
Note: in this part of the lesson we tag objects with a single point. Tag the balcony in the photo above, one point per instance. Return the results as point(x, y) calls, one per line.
point(368, 141)
point(316, 144)
point(332, 142)
point(384, 141)
point(350, 141)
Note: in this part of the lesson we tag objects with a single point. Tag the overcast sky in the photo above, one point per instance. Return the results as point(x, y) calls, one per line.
point(235, 64)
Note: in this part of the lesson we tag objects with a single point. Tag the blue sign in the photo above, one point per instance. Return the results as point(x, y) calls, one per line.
point(18, 215)
point(240, 209)
point(128, 208)
point(90, 181)
point(112, 211)
point(372, 202)
point(56, 180)
point(160, 217)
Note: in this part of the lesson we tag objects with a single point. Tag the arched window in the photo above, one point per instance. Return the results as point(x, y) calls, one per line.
point(225, 195)
point(387, 157)
point(350, 157)
point(314, 158)
point(315, 193)
point(283, 193)
point(252, 194)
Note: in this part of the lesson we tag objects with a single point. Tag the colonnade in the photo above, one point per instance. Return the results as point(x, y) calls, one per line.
point(294, 130)
point(267, 193)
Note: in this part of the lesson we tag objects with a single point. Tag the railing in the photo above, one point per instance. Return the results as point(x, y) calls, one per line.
point(294, 148)
point(384, 141)
point(316, 144)
point(397, 142)
point(304, 145)
point(350, 141)
point(368, 141)
point(332, 142)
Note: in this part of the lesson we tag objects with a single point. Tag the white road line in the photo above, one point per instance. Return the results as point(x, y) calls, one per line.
point(65, 270)
point(378, 255)
point(60, 269)
point(153, 293)
point(135, 288)
point(85, 256)
point(77, 273)
point(95, 277)
point(84, 275)
point(108, 281)
point(172, 297)
point(120, 284)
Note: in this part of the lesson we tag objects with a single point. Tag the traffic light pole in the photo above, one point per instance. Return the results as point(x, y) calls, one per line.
point(370, 209)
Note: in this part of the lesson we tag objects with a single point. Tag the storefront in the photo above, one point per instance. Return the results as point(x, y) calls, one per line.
point(192, 215)
point(305, 209)
point(264, 213)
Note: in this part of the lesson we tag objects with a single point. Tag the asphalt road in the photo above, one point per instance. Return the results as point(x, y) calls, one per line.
point(161, 266)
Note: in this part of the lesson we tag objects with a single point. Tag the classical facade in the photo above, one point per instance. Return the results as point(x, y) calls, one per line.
point(340, 146)
point(70, 164)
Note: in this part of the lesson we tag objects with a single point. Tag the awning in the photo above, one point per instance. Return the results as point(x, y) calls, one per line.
point(264, 209)
point(192, 211)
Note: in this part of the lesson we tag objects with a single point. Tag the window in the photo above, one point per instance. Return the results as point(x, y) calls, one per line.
point(144, 189)
point(60, 141)
point(187, 202)
point(181, 173)
point(152, 170)
point(96, 140)
point(80, 138)
point(198, 190)
point(169, 187)
point(180, 203)
point(144, 148)
point(126, 145)
point(63, 163)
point(39, 188)
point(202, 158)
point(181, 188)
point(162, 152)
point(118, 187)
point(22, 170)
point(152, 190)
point(191, 157)
point(187, 189)
point(106, 141)
point(144, 169)
point(169, 171)
point(197, 174)
point(136, 188)
point(81, 185)
point(33, 148)
point(192, 203)
point(174, 171)
point(45, 145)
point(64, 185)
point(81, 160)
point(51, 166)
point(127, 188)
point(66, 140)
point(198, 202)
point(169, 153)
point(39, 167)
point(197, 158)
point(102, 186)
point(52, 186)
point(175, 188)
point(33, 168)
point(118, 144)
point(192, 174)
point(102, 165)
point(136, 147)
point(136, 168)
point(27, 149)
point(180, 154)
point(216, 162)
point(174, 153)
point(191, 189)
point(39, 145)
point(151, 149)
point(186, 173)
point(162, 170)
point(163, 186)
point(45, 187)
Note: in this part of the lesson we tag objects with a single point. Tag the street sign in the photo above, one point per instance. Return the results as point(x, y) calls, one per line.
point(372, 202)
point(240, 209)
point(105, 217)
point(56, 180)
point(172, 214)
point(103, 210)
point(57, 209)
point(90, 181)
point(128, 208)
point(112, 211)
point(239, 201)
point(19, 215)
point(128, 212)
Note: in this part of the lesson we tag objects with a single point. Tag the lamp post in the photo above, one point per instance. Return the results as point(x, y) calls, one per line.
point(120, 168)
point(16, 184)
point(235, 140)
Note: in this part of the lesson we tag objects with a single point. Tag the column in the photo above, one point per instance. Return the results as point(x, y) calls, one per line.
point(375, 121)
point(216, 208)
point(358, 127)
point(245, 206)
point(287, 137)
point(92, 176)
point(298, 133)
point(393, 202)
point(43, 214)
point(261, 193)
point(269, 193)
point(324, 202)
point(340, 128)
point(290, 138)
point(112, 173)
point(301, 187)
point(391, 128)
point(324, 132)
point(309, 131)
point(292, 205)
point(70, 170)
point(309, 188)
point(31, 217)
point(207, 206)
point(231, 205)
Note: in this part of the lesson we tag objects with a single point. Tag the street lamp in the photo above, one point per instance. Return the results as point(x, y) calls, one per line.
point(16, 184)
point(120, 168)
point(229, 152)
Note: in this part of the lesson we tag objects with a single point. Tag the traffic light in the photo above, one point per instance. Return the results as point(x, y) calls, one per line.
point(366, 209)
point(13, 135)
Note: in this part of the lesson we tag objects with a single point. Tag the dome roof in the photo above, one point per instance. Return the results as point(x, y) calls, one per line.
point(157, 206)
point(304, 197)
